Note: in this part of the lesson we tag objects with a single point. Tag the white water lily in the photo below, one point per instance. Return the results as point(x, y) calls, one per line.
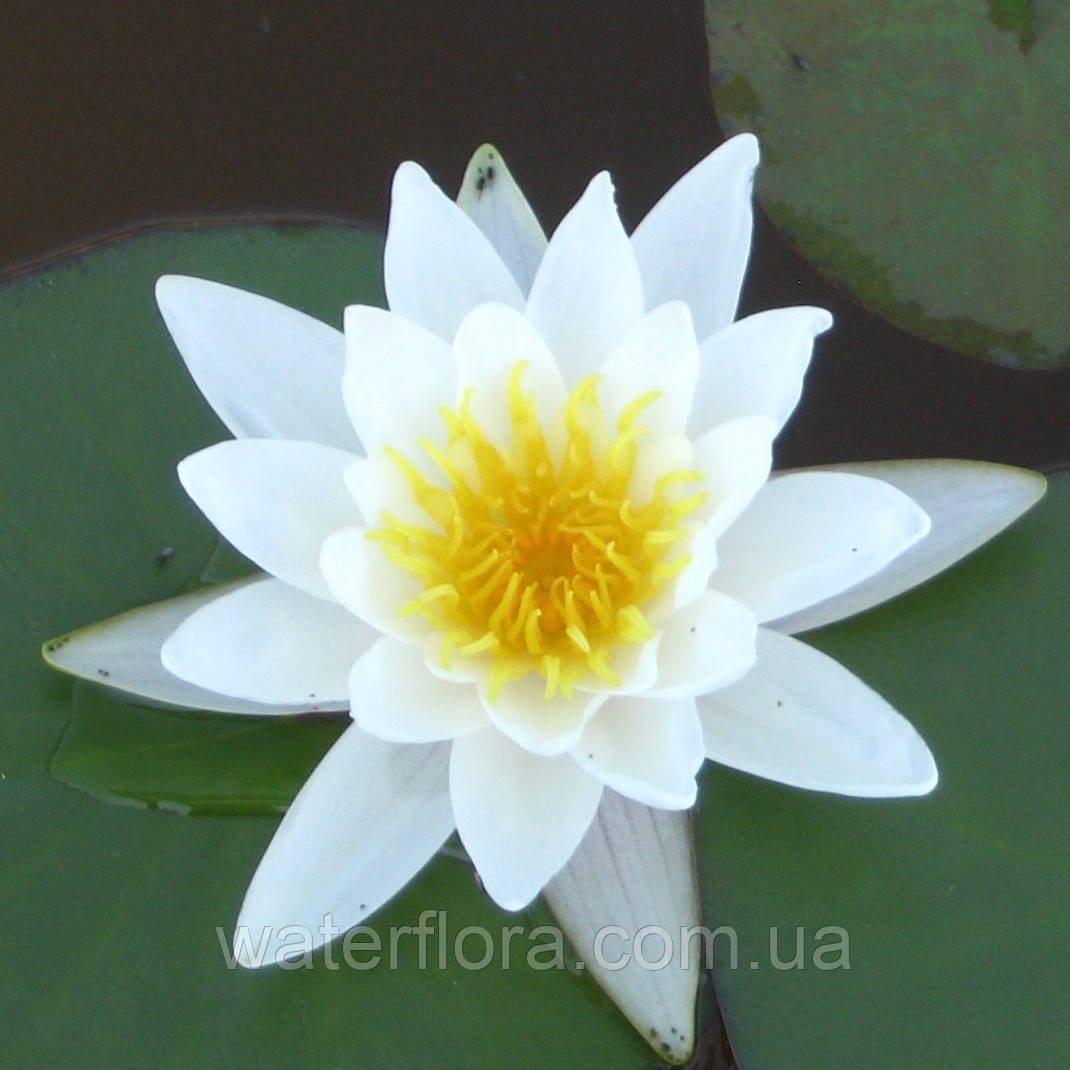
point(522, 525)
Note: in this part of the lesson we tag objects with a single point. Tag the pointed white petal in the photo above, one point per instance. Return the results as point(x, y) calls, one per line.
point(694, 243)
point(646, 748)
point(735, 458)
point(802, 719)
point(659, 354)
point(123, 652)
point(394, 697)
point(520, 816)
point(968, 502)
point(756, 365)
point(397, 376)
point(361, 577)
point(269, 371)
point(495, 203)
point(437, 264)
point(809, 535)
point(489, 344)
point(538, 724)
point(707, 644)
point(635, 869)
point(276, 501)
point(269, 642)
point(587, 292)
point(367, 820)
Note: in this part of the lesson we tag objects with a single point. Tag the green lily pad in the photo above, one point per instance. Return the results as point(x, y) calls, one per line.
point(188, 763)
point(913, 151)
point(954, 905)
point(114, 916)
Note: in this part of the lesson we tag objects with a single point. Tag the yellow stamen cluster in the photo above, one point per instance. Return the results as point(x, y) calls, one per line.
point(543, 566)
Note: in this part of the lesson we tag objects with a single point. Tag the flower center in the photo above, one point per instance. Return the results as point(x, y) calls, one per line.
point(541, 558)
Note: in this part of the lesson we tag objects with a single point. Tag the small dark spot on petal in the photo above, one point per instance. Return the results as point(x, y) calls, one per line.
point(103, 672)
point(693, 627)
point(485, 177)
point(779, 702)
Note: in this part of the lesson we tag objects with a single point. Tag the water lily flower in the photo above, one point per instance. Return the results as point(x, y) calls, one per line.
point(523, 526)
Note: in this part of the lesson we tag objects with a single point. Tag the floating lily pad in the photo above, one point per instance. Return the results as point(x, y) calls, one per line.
point(187, 763)
point(953, 905)
point(914, 151)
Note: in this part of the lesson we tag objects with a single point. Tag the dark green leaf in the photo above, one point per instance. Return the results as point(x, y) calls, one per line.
point(188, 763)
point(915, 152)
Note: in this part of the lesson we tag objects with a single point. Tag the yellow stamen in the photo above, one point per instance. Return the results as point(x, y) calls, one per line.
point(534, 564)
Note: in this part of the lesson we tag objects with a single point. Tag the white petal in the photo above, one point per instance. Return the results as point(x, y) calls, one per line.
point(538, 724)
point(369, 584)
point(756, 365)
point(968, 502)
point(397, 376)
point(394, 697)
point(275, 501)
point(707, 644)
point(636, 868)
point(269, 642)
point(519, 816)
point(124, 653)
point(437, 264)
point(694, 243)
point(367, 820)
point(802, 719)
point(735, 458)
point(269, 371)
point(495, 203)
point(658, 354)
point(646, 748)
point(809, 535)
point(489, 344)
point(587, 292)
